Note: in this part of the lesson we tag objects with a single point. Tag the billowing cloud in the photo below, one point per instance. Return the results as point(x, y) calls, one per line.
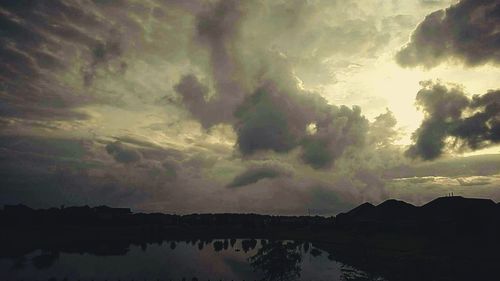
point(194, 96)
point(383, 131)
point(267, 108)
point(216, 28)
point(276, 119)
point(263, 126)
point(465, 32)
point(161, 105)
point(344, 128)
point(454, 120)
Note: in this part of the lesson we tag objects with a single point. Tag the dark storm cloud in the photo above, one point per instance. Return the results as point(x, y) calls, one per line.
point(276, 119)
point(342, 128)
point(250, 59)
point(466, 31)
point(49, 49)
point(37, 39)
point(238, 67)
point(216, 28)
point(274, 116)
point(194, 96)
point(123, 154)
point(471, 123)
point(263, 123)
point(256, 174)
point(483, 126)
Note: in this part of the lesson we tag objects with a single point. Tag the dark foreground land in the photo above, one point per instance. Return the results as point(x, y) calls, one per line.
point(450, 238)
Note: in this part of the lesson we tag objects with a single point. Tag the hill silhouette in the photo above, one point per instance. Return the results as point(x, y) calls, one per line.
point(444, 214)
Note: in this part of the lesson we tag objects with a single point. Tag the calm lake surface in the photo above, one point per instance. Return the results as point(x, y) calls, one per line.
point(229, 259)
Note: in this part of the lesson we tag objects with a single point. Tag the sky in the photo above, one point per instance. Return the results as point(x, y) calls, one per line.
point(276, 107)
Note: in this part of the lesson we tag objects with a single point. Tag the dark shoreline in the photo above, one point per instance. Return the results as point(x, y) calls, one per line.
point(458, 240)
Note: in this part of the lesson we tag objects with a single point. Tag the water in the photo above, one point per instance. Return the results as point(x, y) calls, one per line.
point(247, 259)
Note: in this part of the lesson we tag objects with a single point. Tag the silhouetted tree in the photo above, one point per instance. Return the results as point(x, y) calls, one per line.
point(218, 245)
point(248, 244)
point(253, 244)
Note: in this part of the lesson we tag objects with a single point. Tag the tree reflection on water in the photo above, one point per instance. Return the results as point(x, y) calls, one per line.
point(278, 260)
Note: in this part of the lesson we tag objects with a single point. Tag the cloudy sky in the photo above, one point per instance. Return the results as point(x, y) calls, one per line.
point(281, 107)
